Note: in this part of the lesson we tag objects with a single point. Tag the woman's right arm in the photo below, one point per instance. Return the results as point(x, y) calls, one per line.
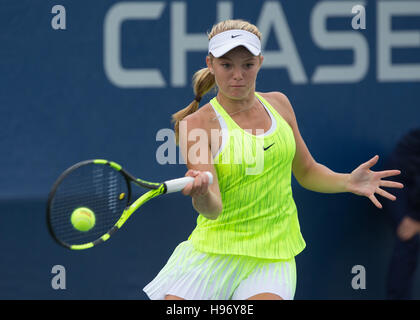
point(206, 199)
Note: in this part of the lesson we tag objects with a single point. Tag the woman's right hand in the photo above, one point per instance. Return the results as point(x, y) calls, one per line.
point(199, 187)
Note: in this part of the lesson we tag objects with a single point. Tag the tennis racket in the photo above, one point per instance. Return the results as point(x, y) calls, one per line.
point(104, 189)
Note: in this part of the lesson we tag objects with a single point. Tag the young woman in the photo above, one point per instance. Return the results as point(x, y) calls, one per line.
point(247, 232)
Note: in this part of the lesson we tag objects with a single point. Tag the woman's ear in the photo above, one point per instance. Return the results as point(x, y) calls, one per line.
point(209, 64)
point(261, 59)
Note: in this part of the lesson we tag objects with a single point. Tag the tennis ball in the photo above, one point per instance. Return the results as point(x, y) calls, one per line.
point(83, 219)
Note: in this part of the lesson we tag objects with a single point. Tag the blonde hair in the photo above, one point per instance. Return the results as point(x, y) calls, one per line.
point(203, 80)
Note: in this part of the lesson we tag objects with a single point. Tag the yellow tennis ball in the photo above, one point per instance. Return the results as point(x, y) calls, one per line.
point(83, 219)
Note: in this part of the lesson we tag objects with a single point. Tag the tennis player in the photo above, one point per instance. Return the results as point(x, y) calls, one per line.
point(247, 233)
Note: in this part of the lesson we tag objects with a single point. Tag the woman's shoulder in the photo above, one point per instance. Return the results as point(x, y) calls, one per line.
point(280, 102)
point(275, 96)
point(202, 118)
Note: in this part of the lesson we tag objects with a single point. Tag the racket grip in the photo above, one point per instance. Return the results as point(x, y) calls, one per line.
point(176, 185)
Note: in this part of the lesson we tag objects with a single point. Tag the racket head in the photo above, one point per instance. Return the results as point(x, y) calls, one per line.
point(99, 185)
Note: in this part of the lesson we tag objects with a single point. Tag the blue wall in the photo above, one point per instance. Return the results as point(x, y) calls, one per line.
point(61, 103)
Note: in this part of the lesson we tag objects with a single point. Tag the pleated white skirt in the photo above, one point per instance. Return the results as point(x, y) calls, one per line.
point(195, 275)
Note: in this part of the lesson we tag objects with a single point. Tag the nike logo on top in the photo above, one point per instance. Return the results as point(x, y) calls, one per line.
point(266, 148)
point(234, 36)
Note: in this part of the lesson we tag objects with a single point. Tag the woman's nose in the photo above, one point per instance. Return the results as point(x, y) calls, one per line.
point(237, 74)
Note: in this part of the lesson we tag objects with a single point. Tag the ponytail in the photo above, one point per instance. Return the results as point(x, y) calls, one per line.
point(203, 82)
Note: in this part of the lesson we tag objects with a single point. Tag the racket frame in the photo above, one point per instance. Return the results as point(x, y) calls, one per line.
point(155, 190)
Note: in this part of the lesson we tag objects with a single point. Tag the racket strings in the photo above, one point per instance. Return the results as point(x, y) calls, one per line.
point(94, 186)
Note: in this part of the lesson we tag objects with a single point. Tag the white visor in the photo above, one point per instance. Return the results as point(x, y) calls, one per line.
point(225, 41)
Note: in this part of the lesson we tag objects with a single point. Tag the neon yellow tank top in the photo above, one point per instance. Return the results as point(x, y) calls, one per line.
point(259, 216)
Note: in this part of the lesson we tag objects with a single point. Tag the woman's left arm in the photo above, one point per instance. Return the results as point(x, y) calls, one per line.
point(317, 177)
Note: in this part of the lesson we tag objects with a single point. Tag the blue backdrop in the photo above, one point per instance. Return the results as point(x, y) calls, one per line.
point(100, 79)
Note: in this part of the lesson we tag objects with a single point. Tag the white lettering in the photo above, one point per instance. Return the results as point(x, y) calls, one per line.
point(387, 40)
point(359, 20)
point(271, 19)
point(166, 152)
point(59, 20)
point(59, 280)
point(359, 280)
point(338, 40)
point(224, 10)
point(115, 72)
point(272, 16)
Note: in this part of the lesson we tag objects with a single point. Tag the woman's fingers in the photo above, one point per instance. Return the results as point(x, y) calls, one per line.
point(370, 163)
point(391, 184)
point(189, 187)
point(389, 173)
point(375, 201)
point(385, 194)
point(200, 184)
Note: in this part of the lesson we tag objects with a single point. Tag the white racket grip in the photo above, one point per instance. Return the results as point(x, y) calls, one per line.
point(176, 185)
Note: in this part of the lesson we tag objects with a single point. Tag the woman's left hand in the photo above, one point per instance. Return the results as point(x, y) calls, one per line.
point(365, 182)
